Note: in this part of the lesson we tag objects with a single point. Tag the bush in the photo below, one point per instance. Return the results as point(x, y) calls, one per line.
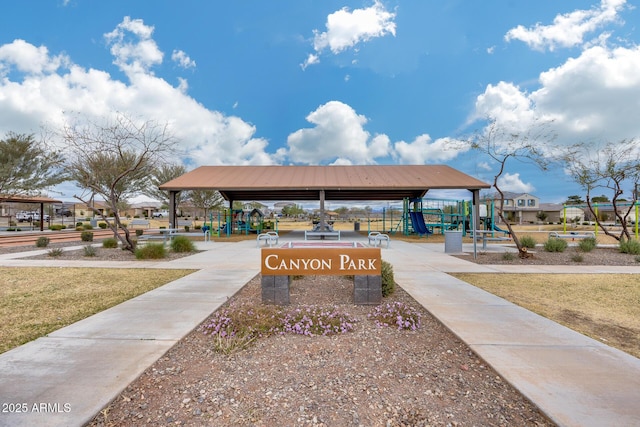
point(55, 252)
point(396, 314)
point(528, 242)
point(42, 242)
point(630, 247)
point(87, 227)
point(86, 236)
point(555, 245)
point(588, 244)
point(110, 243)
point(151, 251)
point(388, 281)
point(186, 228)
point(139, 232)
point(235, 327)
point(508, 256)
point(102, 225)
point(577, 257)
point(182, 244)
point(90, 251)
point(57, 227)
point(79, 224)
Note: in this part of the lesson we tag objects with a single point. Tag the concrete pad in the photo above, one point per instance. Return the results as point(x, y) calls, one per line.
point(71, 375)
point(588, 386)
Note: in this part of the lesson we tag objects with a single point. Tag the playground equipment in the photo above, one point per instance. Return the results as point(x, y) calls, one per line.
point(240, 221)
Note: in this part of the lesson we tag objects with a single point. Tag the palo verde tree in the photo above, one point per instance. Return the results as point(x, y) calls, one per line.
point(162, 174)
point(28, 166)
point(114, 159)
point(207, 200)
point(503, 145)
point(608, 169)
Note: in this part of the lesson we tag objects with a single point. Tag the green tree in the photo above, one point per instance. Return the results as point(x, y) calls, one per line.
point(610, 167)
point(207, 200)
point(114, 160)
point(163, 174)
point(574, 200)
point(28, 166)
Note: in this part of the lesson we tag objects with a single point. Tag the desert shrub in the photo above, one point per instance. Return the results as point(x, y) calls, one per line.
point(555, 245)
point(110, 243)
point(78, 224)
point(90, 251)
point(42, 242)
point(235, 327)
point(86, 236)
point(528, 242)
point(57, 227)
point(588, 244)
point(396, 314)
point(186, 228)
point(139, 232)
point(102, 225)
point(87, 226)
point(151, 251)
point(388, 281)
point(55, 252)
point(182, 244)
point(631, 246)
point(577, 257)
point(508, 256)
point(312, 320)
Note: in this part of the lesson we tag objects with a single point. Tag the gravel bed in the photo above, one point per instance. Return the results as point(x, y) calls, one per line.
point(571, 256)
point(372, 376)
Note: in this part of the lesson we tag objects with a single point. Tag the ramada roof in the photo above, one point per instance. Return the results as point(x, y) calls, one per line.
point(370, 182)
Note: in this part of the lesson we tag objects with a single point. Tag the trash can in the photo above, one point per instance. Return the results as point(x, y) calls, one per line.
point(356, 226)
point(452, 242)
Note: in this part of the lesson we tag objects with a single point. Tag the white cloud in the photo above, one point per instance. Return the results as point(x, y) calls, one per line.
point(590, 97)
point(132, 46)
point(338, 136)
point(423, 150)
point(182, 59)
point(27, 58)
point(44, 86)
point(570, 29)
point(346, 29)
point(311, 59)
point(484, 166)
point(513, 183)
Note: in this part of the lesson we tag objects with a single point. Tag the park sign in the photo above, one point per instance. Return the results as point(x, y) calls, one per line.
point(321, 261)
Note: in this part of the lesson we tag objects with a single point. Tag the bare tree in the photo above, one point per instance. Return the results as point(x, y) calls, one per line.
point(609, 168)
point(28, 166)
point(531, 146)
point(114, 159)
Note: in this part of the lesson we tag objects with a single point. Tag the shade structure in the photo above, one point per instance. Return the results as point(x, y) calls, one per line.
point(369, 182)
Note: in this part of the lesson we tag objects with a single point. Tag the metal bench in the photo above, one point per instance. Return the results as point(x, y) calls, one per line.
point(270, 238)
point(139, 223)
point(573, 235)
point(321, 234)
point(488, 236)
point(377, 238)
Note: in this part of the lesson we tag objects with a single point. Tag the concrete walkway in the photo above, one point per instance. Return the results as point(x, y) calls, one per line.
point(77, 370)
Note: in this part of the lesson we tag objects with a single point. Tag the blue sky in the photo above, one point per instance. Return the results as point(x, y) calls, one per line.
point(330, 82)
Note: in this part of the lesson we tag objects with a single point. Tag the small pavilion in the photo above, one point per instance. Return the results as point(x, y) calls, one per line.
point(322, 183)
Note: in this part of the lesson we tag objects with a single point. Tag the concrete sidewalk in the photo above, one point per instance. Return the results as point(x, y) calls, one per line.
point(67, 377)
point(573, 379)
point(77, 370)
